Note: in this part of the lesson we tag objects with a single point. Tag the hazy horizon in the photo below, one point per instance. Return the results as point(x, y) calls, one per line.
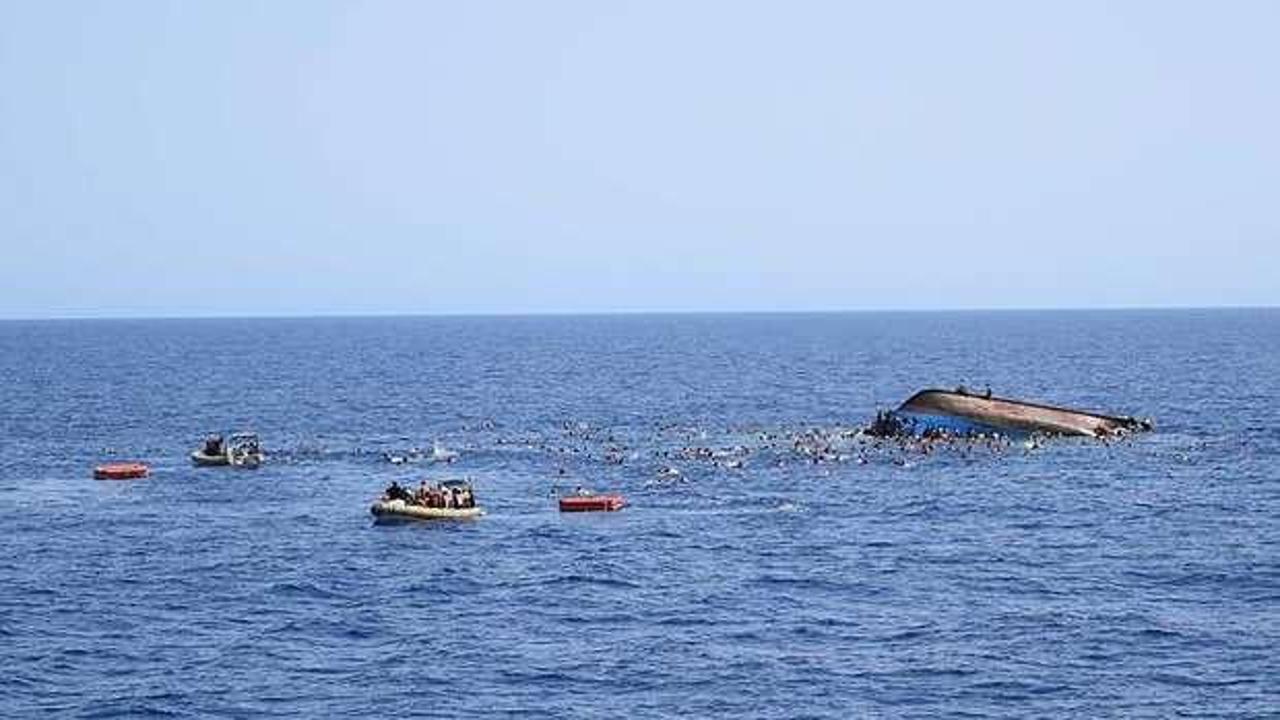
point(661, 313)
point(297, 159)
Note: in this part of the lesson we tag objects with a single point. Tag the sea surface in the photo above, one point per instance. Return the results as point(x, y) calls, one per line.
point(790, 570)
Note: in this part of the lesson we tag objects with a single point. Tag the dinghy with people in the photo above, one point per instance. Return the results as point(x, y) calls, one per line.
point(242, 450)
point(448, 500)
point(212, 453)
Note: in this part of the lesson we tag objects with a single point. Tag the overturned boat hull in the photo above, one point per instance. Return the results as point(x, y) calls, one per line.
point(966, 414)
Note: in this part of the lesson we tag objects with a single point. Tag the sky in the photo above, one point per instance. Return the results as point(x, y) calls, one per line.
point(312, 158)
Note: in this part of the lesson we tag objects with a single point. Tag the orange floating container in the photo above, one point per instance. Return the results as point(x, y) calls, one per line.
point(121, 471)
point(592, 503)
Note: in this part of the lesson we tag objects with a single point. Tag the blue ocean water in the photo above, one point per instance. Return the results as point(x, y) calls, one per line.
point(1135, 579)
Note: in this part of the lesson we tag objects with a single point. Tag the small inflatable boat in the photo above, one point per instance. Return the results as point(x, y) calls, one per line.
point(242, 450)
point(385, 511)
point(592, 503)
point(121, 471)
point(199, 458)
point(211, 453)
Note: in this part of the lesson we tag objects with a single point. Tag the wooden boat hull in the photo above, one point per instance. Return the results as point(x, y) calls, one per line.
point(964, 413)
point(385, 511)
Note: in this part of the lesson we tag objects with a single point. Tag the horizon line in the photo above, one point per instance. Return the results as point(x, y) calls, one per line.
point(633, 313)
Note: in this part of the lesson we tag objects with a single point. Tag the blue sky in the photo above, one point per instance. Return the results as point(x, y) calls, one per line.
point(236, 158)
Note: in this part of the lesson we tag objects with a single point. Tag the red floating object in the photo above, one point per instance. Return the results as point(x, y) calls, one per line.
point(592, 503)
point(121, 471)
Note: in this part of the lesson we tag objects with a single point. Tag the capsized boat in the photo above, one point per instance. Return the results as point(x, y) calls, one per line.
point(609, 502)
point(961, 412)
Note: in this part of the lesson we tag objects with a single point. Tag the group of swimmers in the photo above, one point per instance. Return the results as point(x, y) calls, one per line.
point(677, 447)
point(451, 497)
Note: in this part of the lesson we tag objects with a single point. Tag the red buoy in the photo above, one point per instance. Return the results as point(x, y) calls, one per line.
point(121, 471)
point(592, 503)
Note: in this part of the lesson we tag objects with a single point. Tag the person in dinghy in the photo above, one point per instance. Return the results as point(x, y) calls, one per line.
point(446, 500)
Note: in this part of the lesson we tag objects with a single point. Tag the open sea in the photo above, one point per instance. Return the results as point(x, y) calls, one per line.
point(1139, 578)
